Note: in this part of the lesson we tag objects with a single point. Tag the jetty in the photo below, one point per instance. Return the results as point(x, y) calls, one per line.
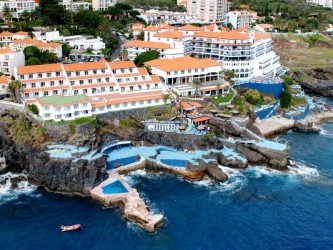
point(319, 117)
point(275, 125)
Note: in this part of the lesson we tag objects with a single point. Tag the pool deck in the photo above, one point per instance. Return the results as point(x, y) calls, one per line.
point(274, 125)
point(135, 209)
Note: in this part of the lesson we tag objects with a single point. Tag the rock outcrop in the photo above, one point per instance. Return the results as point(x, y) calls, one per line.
point(305, 126)
point(210, 167)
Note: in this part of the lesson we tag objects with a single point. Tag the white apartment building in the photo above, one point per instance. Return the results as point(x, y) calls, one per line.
point(6, 38)
point(241, 18)
point(209, 11)
point(21, 44)
point(103, 4)
point(9, 60)
point(109, 87)
point(324, 3)
point(246, 53)
point(46, 35)
point(18, 6)
point(74, 6)
point(4, 80)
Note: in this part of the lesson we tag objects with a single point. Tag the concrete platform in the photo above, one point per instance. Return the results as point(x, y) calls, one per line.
point(274, 125)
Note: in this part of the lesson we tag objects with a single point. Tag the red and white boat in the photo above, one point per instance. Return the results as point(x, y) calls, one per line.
point(70, 228)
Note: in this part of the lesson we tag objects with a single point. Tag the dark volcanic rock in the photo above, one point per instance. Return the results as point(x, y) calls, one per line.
point(231, 162)
point(217, 173)
point(210, 167)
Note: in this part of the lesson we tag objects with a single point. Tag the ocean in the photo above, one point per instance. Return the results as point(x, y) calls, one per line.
point(256, 209)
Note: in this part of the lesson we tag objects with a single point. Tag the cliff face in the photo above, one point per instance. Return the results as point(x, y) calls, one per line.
point(22, 149)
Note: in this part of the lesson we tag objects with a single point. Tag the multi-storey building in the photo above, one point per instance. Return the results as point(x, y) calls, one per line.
point(209, 11)
point(6, 38)
point(104, 4)
point(74, 6)
point(9, 60)
point(246, 53)
point(324, 3)
point(4, 80)
point(109, 87)
point(241, 18)
point(18, 6)
point(21, 44)
point(179, 74)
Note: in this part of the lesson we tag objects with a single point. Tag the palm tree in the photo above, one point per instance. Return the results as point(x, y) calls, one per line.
point(105, 29)
point(196, 83)
point(166, 97)
point(13, 89)
point(124, 54)
point(25, 15)
point(7, 15)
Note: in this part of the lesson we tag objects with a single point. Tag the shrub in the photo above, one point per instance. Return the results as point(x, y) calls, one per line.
point(33, 109)
point(253, 96)
point(285, 99)
point(72, 128)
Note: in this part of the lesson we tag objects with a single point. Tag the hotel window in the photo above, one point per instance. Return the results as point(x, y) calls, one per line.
point(47, 115)
point(101, 108)
point(196, 70)
point(22, 77)
point(89, 81)
point(157, 100)
point(77, 73)
point(69, 74)
point(85, 91)
point(94, 90)
point(84, 104)
point(139, 87)
point(119, 80)
point(156, 86)
point(61, 82)
point(58, 109)
point(67, 107)
point(64, 92)
point(30, 76)
point(111, 88)
point(116, 105)
point(81, 82)
point(131, 88)
point(168, 73)
point(125, 104)
point(103, 71)
point(122, 89)
point(128, 79)
point(46, 107)
point(86, 72)
point(40, 75)
point(114, 71)
point(42, 84)
point(76, 92)
point(149, 101)
point(72, 82)
point(143, 78)
point(182, 72)
point(36, 93)
point(55, 92)
point(122, 71)
point(52, 83)
point(135, 78)
point(103, 89)
point(99, 80)
point(202, 70)
point(109, 106)
point(130, 70)
point(57, 73)
point(58, 116)
point(46, 93)
point(148, 86)
point(48, 74)
point(107, 79)
point(33, 85)
point(95, 72)
point(141, 102)
point(189, 71)
point(132, 103)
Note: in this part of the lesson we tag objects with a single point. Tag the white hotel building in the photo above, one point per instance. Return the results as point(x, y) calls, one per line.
point(18, 6)
point(9, 60)
point(246, 53)
point(108, 86)
point(324, 3)
point(101, 5)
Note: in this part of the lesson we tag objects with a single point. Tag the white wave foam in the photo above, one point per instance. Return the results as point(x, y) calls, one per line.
point(260, 171)
point(325, 132)
point(303, 170)
point(23, 188)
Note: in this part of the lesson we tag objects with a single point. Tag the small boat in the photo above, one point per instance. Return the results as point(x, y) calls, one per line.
point(70, 228)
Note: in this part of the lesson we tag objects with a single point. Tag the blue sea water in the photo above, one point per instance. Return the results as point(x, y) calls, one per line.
point(256, 209)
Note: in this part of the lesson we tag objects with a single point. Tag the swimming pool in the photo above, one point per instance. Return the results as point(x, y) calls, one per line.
point(174, 163)
point(115, 187)
point(121, 161)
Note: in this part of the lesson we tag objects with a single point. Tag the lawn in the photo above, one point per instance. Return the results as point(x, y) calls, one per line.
point(77, 121)
point(222, 98)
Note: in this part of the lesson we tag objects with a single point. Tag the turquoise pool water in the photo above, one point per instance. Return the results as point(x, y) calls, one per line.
point(174, 163)
point(121, 161)
point(114, 188)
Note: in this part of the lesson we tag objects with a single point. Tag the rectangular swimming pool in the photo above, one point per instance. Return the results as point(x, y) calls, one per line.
point(115, 187)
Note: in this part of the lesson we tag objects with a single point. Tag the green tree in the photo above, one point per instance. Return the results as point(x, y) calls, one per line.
point(140, 36)
point(253, 96)
point(48, 57)
point(66, 49)
point(196, 83)
point(285, 99)
point(166, 97)
point(51, 12)
point(14, 90)
point(145, 57)
point(218, 85)
point(33, 109)
point(124, 54)
point(25, 16)
point(31, 51)
point(7, 15)
point(32, 61)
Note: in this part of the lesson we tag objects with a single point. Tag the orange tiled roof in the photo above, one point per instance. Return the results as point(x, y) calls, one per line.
point(4, 79)
point(181, 63)
point(152, 28)
point(39, 68)
point(201, 119)
point(142, 71)
point(242, 29)
point(230, 35)
point(41, 44)
point(259, 36)
point(170, 34)
point(122, 65)
point(85, 66)
point(21, 33)
point(26, 41)
point(147, 44)
point(5, 33)
point(5, 51)
point(189, 27)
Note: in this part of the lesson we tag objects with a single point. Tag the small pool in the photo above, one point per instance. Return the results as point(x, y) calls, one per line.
point(174, 163)
point(121, 161)
point(114, 188)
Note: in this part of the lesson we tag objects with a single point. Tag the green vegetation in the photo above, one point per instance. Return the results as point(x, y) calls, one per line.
point(285, 99)
point(163, 4)
point(196, 83)
point(166, 97)
point(146, 56)
point(210, 135)
point(13, 89)
point(72, 128)
point(253, 96)
point(128, 123)
point(33, 109)
point(287, 16)
point(297, 101)
point(33, 56)
point(77, 121)
point(20, 130)
point(239, 104)
point(222, 98)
